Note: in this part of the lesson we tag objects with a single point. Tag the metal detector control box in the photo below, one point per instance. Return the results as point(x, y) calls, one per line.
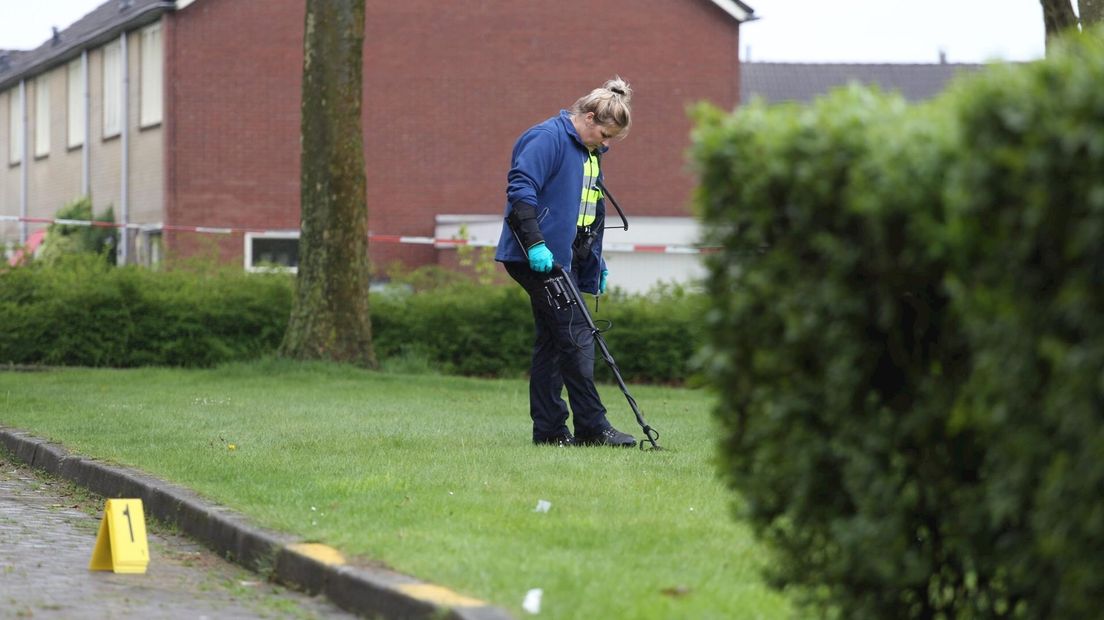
point(557, 292)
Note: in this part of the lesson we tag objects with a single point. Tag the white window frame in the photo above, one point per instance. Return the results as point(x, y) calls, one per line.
point(112, 89)
point(42, 116)
point(15, 127)
point(151, 78)
point(76, 121)
point(248, 254)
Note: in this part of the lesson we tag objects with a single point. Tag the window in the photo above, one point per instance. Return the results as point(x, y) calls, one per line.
point(15, 126)
point(42, 116)
point(112, 90)
point(76, 104)
point(272, 251)
point(150, 88)
point(149, 248)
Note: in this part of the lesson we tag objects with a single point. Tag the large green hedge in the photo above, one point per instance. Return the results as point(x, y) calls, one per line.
point(77, 310)
point(908, 339)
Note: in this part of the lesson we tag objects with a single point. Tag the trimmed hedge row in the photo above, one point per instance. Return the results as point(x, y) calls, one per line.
point(82, 312)
point(907, 333)
point(480, 330)
point(461, 329)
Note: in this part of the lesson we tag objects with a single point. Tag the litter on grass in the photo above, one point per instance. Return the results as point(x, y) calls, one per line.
point(542, 505)
point(532, 601)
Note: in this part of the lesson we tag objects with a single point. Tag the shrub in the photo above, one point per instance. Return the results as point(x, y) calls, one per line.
point(652, 337)
point(66, 239)
point(462, 329)
point(823, 341)
point(75, 310)
point(80, 311)
point(478, 330)
point(905, 334)
point(1024, 231)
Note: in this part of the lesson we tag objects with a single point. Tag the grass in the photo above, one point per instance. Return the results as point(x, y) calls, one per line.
point(432, 475)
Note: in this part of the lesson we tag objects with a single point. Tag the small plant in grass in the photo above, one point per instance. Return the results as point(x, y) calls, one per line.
point(479, 260)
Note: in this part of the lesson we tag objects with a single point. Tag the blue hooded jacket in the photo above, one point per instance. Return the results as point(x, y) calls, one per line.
point(546, 171)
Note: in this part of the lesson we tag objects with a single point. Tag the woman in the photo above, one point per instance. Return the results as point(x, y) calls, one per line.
point(554, 214)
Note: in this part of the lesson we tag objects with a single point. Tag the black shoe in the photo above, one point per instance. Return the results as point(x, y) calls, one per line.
point(563, 440)
point(609, 437)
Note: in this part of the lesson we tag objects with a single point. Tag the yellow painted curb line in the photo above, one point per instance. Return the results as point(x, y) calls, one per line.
point(436, 594)
point(319, 553)
point(422, 591)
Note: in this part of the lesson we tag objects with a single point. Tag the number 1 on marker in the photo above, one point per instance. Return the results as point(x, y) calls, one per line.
point(130, 525)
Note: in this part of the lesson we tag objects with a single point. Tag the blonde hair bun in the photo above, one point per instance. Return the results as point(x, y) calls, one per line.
point(619, 87)
point(610, 104)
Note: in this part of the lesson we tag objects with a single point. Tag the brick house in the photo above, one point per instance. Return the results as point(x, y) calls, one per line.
point(183, 114)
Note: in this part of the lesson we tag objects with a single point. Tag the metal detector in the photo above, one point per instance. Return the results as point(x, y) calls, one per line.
point(562, 293)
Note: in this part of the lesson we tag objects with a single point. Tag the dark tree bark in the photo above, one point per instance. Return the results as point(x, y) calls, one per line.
point(329, 317)
point(1058, 16)
point(1091, 12)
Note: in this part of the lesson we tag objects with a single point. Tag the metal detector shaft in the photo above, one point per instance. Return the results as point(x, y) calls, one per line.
point(577, 298)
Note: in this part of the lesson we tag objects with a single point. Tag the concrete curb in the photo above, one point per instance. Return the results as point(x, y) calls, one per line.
point(370, 592)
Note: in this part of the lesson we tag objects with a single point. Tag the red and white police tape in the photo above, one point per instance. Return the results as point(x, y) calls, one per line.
point(437, 242)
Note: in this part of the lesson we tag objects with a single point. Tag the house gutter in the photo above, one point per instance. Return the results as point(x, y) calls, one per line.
point(86, 153)
point(124, 112)
point(24, 166)
point(737, 10)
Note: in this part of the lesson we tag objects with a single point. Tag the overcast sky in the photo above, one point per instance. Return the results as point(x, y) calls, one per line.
point(788, 30)
point(893, 30)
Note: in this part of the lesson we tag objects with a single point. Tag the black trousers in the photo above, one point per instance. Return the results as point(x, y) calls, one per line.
point(563, 356)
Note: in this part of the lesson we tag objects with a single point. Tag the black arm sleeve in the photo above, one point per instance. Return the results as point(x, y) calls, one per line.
point(523, 221)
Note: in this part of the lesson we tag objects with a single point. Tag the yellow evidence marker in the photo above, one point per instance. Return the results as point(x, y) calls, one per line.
point(121, 544)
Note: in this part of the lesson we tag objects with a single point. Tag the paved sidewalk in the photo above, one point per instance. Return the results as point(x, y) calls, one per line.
point(46, 540)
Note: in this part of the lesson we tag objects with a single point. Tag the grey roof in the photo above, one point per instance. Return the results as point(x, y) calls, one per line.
point(104, 23)
point(8, 58)
point(776, 82)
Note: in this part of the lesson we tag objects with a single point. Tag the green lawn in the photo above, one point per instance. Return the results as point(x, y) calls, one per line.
point(434, 476)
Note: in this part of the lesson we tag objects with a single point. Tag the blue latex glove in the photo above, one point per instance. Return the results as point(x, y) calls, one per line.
point(602, 282)
point(540, 258)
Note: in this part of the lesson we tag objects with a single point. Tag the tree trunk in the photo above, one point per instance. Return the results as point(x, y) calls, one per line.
point(329, 317)
point(1091, 12)
point(1058, 16)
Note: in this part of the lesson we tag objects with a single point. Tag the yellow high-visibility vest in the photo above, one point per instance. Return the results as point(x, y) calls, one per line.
point(588, 203)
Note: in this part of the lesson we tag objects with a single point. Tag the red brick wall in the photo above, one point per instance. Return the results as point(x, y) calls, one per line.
point(451, 85)
point(234, 74)
point(448, 86)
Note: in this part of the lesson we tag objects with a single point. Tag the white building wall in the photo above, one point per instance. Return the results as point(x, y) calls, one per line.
point(55, 179)
point(105, 153)
point(147, 169)
point(9, 174)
